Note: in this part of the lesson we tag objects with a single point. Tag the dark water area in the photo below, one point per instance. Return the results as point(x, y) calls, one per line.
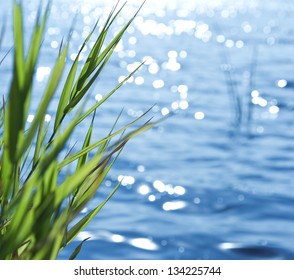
point(215, 180)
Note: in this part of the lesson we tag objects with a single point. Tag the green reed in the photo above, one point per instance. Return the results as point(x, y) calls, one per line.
point(40, 209)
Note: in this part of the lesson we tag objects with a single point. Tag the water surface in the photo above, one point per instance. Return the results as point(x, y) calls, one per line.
point(215, 181)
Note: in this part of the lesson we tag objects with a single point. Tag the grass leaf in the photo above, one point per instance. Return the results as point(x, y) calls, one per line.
point(78, 249)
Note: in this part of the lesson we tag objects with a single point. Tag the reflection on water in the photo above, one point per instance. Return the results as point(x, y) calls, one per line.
point(215, 180)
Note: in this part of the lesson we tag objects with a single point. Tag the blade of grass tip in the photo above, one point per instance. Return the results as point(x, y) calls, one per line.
point(113, 43)
point(117, 147)
point(40, 147)
point(80, 87)
point(61, 47)
point(107, 96)
point(40, 137)
point(68, 86)
point(112, 16)
point(78, 249)
point(21, 250)
point(73, 102)
point(90, 186)
point(75, 180)
point(80, 225)
point(24, 161)
point(65, 96)
point(91, 147)
point(109, 166)
point(105, 144)
point(18, 43)
point(89, 65)
point(36, 40)
point(97, 176)
point(6, 54)
point(138, 131)
point(70, 149)
point(84, 157)
point(4, 224)
point(121, 8)
point(90, 61)
point(129, 22)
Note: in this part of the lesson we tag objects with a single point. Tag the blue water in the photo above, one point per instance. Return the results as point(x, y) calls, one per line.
point(215, 181)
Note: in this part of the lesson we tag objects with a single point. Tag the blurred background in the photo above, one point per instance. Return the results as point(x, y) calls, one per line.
point(215, 180)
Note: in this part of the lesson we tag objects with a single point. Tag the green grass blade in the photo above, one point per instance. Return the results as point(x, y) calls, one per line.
point(91, 147)
point(38, 146)
point(14, 115)
point(36, 40)
point(84, 157)
point(94, 60)
point(107, 96)
point(78, 97)
point(104, 145)
point(19, 44)
point(91, 64)
point(33, 54)
point(79, 226)
point(6, 54)
point(78, 249)
point(94, 180)
point(65, 94)
point(73, 182)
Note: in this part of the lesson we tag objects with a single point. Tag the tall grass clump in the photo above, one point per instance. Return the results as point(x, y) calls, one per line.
point(40, 206)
